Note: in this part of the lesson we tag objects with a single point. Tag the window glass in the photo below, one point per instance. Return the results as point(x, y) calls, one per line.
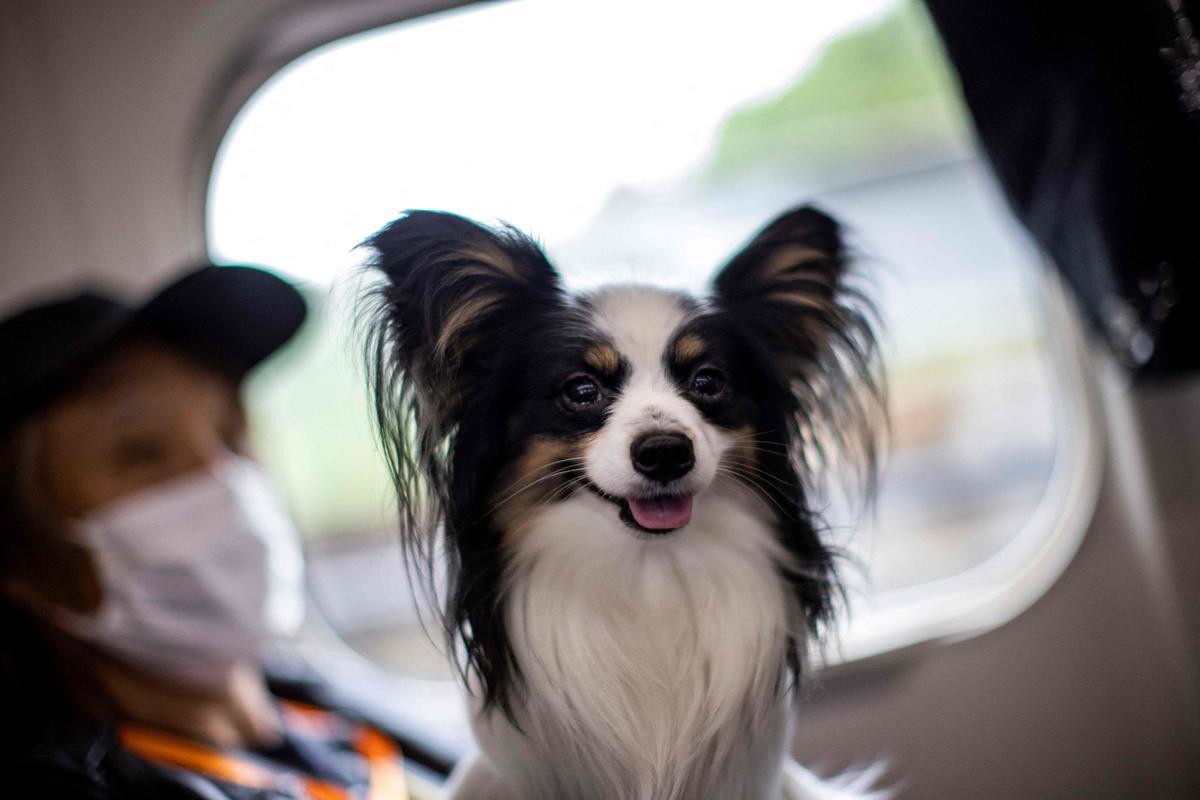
point(645, 141)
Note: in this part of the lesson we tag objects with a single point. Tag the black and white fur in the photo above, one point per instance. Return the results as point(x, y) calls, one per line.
point(525, 428)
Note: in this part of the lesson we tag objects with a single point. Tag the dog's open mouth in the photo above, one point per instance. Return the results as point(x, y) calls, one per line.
point(658, 515)
point(664, 513)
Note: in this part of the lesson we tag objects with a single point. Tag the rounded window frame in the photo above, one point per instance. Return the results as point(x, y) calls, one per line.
point(914, 618)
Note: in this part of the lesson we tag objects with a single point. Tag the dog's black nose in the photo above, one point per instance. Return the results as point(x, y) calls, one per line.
point(662, 457)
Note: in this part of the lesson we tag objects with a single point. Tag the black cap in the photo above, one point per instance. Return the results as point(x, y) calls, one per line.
point(233, 317)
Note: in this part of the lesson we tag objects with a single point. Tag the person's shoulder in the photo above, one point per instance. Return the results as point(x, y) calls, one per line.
point(50, 780)
point(64, 761)
point(81, 761)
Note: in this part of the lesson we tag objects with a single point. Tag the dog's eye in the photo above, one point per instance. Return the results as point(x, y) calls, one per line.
point(708, 382)
point(581, 391)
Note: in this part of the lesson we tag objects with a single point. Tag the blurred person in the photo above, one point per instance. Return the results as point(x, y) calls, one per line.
point(145, 560)
point(1090, 116)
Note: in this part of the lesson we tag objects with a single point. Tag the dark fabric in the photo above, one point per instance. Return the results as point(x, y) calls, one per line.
point(231, 317)
point(290, 678)
point(83, 760)
point(49, 753)
point(86, 762)
point(1086, 111)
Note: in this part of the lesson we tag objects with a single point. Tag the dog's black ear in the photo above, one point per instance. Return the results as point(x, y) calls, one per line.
point(786, 281)
point(456, 293)
point(789, 290)
point(457, 305)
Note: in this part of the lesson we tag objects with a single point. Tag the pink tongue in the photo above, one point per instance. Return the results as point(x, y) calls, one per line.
point(661, 513)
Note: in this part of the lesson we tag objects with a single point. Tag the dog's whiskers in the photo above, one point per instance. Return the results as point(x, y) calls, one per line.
point(530, 484)
point(558, 493)
point(762, 491)
point(757, 471)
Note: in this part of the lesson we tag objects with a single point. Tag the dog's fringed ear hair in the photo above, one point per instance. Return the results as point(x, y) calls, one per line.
point(789, 289)
point(454, 295)
point(456, 303)
point(454, 292)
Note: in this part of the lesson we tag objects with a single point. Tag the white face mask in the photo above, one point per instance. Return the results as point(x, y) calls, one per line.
point(196, 573)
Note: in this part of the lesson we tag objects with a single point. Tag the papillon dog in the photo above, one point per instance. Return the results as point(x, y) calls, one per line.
point(614, 494)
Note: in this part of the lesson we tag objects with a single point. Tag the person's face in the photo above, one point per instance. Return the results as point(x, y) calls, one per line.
point(143, 415)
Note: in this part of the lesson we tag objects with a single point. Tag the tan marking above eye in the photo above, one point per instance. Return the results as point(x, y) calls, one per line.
point(603, 358)
point(689, 347)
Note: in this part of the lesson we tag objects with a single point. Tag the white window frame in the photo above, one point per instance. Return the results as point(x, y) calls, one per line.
point(907, 619)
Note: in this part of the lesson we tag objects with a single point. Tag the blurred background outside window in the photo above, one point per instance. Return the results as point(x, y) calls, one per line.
point(645, 141)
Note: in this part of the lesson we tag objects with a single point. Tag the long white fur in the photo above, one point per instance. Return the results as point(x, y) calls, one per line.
point(654, 666)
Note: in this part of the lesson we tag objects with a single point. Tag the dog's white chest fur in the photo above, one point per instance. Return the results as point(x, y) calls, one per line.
point(655, 668)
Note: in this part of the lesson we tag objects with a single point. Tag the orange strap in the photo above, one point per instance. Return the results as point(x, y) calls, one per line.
point(382, 756)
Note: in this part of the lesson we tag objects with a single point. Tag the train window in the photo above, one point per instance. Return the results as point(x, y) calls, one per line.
point(646, 141)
